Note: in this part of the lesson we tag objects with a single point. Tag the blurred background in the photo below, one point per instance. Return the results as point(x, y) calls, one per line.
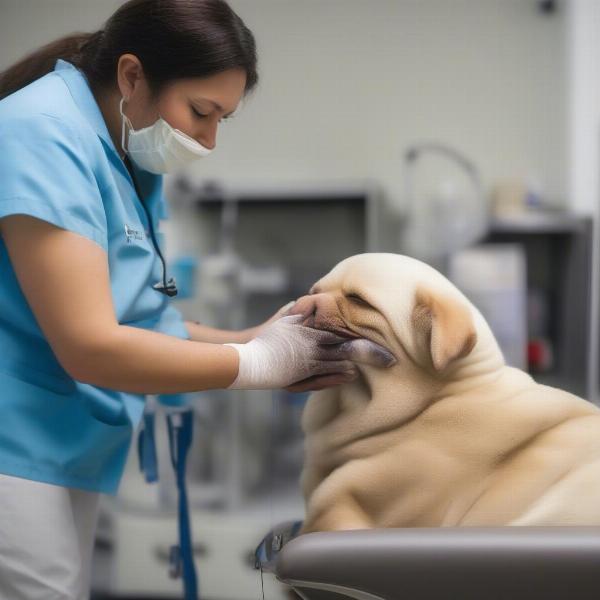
point(461, 132)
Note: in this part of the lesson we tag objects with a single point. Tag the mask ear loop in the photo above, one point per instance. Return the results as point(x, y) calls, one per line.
point(123, 119)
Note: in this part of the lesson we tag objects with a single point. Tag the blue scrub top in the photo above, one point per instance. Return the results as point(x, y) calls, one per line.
point(58, 163)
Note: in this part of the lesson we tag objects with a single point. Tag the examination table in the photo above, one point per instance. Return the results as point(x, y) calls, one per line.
point(454, 563)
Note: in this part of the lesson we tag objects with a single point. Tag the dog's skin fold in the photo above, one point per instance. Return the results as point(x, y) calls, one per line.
point(448, 435)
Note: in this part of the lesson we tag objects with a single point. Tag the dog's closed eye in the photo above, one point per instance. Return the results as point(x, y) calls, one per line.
point(357, 299)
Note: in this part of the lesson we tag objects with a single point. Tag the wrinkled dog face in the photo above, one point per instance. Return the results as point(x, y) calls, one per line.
point(397, 302)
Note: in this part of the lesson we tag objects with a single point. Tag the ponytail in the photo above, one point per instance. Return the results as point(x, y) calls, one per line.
point(42, 61)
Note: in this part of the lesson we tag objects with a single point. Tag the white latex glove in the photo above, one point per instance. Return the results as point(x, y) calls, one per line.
point(287, 352)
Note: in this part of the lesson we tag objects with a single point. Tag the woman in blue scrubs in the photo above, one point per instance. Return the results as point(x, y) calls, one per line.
point(88, 125)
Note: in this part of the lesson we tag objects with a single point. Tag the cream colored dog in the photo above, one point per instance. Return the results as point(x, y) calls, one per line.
point(449, 435)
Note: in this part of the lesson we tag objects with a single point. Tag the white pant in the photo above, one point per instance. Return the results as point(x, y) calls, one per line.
point(46, 540)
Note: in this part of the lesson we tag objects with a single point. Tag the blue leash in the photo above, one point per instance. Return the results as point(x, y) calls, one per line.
point(147, 449)
point(180, 439)
point(180, 429)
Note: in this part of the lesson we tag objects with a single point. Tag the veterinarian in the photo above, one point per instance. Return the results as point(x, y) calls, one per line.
point(88, 125)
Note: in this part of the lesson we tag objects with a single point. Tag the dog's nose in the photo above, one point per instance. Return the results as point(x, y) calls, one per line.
point(322, 312)
point(319, 310)
point(306, 306)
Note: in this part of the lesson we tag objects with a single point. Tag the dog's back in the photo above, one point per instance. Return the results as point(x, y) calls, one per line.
point(516, 453)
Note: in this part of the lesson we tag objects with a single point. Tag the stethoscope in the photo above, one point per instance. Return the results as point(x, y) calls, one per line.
point(165, 287)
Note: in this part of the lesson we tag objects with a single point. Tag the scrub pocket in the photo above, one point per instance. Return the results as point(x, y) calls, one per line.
point(56, 381)
point(72, 439)
point(103, 404)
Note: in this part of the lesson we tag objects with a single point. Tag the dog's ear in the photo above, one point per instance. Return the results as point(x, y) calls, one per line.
point(446, 326)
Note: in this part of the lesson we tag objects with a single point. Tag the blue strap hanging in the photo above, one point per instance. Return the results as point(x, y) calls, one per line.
point(147, 449)
point(180, 428)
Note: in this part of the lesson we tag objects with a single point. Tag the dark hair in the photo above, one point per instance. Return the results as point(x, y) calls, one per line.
point(172, 38)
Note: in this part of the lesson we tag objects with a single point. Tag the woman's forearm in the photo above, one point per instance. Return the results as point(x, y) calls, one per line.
point(203, 333)
point(132, 359)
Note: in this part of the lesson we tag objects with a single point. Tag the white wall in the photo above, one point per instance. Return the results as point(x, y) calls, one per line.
point(26, 24)
point(347, 84)
point(583, 42)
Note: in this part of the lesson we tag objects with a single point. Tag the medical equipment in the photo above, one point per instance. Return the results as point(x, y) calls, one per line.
point(427, 563)
point(165, 287)
point(447, 208)
point(267, 552)
point(494, 278)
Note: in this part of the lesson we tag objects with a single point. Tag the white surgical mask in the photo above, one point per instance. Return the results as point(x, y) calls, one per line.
point(159, 148)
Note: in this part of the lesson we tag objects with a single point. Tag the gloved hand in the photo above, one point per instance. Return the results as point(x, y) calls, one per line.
point(287, 352)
